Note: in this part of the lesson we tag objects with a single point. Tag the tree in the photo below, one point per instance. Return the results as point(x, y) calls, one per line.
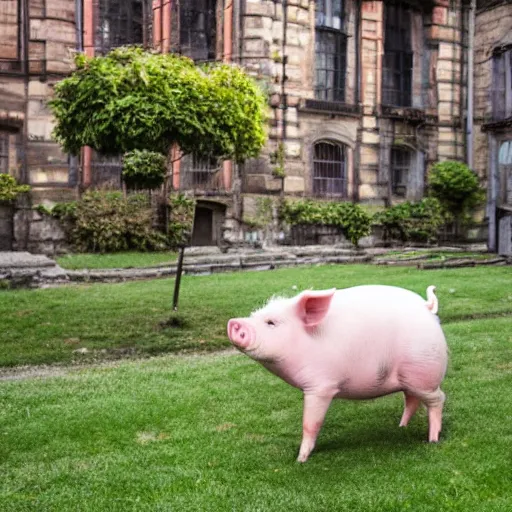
point(457, 188)
point(135, 99)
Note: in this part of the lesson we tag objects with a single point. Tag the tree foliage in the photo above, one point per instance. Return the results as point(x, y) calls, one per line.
point(144, 169)
point(456, 187)
point(135, 99)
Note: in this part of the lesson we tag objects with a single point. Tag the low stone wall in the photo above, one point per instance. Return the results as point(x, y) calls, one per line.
point(38, 233)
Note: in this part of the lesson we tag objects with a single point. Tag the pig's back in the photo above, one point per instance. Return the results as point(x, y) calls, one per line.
point(372, 327)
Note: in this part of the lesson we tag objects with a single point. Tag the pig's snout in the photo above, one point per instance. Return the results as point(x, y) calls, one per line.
point(240, 333)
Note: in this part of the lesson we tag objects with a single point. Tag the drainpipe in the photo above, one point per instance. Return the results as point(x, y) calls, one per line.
point(284, 97)
point(228, 53)
point(88, 27)
point(25, 175)
point(470, 115)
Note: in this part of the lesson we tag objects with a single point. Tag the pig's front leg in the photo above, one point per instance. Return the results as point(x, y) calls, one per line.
point(315, 408)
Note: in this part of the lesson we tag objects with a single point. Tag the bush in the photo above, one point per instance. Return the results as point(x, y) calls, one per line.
point(456, 187)
point(411, 222)
point(351, 218)
point(181, 219)
point(9, 188)
point(107, 222)
point(144, 169)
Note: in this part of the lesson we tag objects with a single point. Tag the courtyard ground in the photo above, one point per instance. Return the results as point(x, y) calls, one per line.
point(217, 431)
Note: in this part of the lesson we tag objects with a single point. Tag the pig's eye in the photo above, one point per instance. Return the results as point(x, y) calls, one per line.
point(271, 323)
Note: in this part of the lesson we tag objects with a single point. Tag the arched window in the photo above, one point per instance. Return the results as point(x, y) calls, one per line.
point(329, 169)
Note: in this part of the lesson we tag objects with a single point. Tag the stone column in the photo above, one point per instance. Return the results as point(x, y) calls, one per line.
point(371, 186)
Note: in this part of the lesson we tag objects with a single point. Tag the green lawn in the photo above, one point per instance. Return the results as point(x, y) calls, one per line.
point(116, 320)
point(116, 260)
point(220, 433)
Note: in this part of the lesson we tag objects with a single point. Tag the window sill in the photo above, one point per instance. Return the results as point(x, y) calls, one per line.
point(408, 113)
point(497, 125)
point(329, 107)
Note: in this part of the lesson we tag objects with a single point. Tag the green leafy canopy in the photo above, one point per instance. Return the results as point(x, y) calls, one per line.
point(135, 99)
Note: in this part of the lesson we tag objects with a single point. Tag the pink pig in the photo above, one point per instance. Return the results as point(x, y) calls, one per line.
point(358, 343)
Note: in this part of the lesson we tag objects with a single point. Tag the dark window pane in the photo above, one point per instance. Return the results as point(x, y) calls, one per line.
point(119, 23)
point(400, 168)
point(330, 60)
point(398, 57)
point(198, 26)
point(329, 169)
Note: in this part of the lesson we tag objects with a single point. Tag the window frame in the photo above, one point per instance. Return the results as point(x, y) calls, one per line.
point(399, 187)
point(501, 99)
point(334, 62)
point(398, 57)
point(210, 28)
point(335, 184)
point(4, 152)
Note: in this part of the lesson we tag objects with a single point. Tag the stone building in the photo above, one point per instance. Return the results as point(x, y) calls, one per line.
point(363, 95)
point(493, 115)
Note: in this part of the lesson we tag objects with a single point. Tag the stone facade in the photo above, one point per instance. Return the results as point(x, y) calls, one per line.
point(429, 129)
point(37, 51)
point(379, 145)
point(493, 116)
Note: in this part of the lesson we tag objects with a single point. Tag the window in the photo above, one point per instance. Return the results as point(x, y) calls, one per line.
point(505, 172)
point(330, 51)
point(502, 86)
point(199, 173)
point(198, 29)
point(398, 56)
point(9, 35)
point(329, 177)
point(400, 168)
point(120, 22)
point(4, 153)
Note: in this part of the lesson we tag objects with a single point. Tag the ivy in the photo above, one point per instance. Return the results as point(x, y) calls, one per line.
point(144, 169)
point(135, 99)
point(10, 189)
point(181, 223)
point(411, 222)
point(351, 218)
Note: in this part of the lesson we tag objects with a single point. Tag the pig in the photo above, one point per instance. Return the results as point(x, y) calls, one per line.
point(355, 343)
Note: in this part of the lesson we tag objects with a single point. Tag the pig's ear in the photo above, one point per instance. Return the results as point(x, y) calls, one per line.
point(313, 306)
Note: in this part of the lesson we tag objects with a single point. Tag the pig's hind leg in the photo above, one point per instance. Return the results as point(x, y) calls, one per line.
point(411, 406)
point(434, 401)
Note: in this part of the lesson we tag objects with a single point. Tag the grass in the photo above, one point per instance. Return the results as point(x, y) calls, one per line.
point(116, 260)
point(220, 433)
point(118, 320)
point(430, 254)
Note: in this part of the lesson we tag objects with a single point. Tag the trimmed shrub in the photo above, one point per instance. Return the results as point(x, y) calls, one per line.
point(107, 222)
point(411, 222)
point(144, 169)
point(456, 187)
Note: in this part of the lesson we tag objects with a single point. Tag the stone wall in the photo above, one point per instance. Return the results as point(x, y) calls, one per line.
point(38, 233)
